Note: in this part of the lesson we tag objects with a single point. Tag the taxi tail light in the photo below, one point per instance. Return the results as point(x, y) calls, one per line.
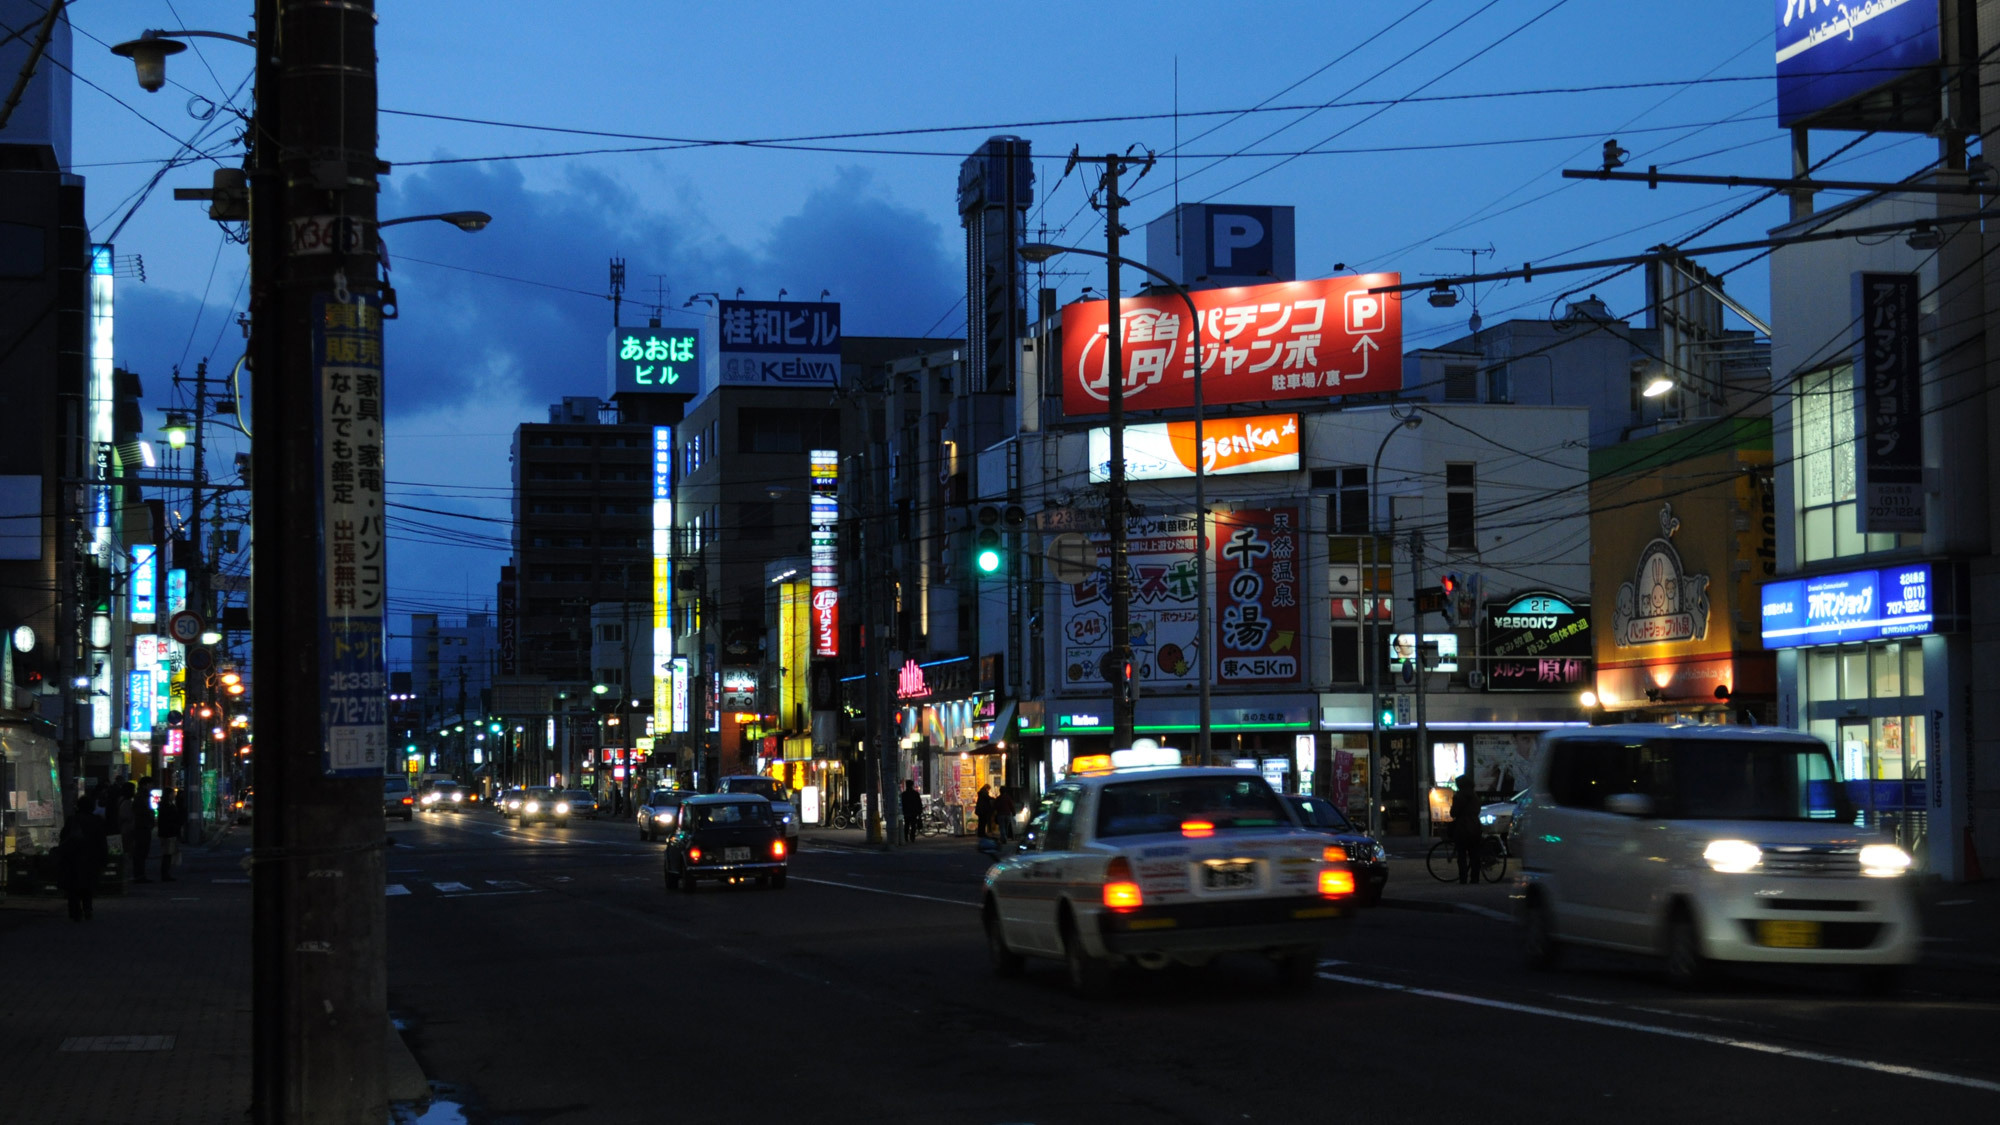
point(777, 849)
point(1336, 882)
point(694, 855)
point(1334, 853)
point(1121, 891)
point(1197, 829)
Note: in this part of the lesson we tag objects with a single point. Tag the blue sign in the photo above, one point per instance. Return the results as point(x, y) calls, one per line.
point(145, 584)
point(656, 361)
point(1864, 605)
point(139, 701)
point(1831, 51)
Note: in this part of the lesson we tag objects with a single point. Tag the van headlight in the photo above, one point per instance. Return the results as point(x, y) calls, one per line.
point(1733, 857)
point(1884, 861)
point(562, 807)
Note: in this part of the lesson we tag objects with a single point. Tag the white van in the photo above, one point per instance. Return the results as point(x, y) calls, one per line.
point(1706, 844)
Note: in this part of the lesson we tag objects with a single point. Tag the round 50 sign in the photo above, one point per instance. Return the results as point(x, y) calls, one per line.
point(185, 627)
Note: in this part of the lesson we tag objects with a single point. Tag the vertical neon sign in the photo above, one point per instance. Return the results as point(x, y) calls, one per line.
point(825, 606)
point(664, 671)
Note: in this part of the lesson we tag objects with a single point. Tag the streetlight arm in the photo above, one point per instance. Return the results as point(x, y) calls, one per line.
point(155, 33)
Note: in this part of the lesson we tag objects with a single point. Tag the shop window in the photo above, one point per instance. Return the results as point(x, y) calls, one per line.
point(1826, 480)
point(1888, 662)
point(1913, 669)
point(1854, 673)
point(1822, 675)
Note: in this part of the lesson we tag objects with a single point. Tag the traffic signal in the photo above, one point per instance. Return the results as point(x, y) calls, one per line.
point(1385, 713)
point(989, 555)
point(1450, 585)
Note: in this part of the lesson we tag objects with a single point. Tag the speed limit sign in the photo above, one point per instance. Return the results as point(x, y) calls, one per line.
point(185, 626)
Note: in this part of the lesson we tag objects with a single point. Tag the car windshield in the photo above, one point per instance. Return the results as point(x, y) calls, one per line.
point(1317, 812)
point(765, 787)
point(1131, 808)
point(733, 813)
point(663, 797)
point(1748, 780)
point(444, 787)
point(542, 794)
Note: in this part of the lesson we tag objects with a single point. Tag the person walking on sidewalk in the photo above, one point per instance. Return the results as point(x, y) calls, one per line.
point(83, 856)
point(1003, 814)
point(913, 811)
point(172, 820)
point(139, 842)
point(982, 808)
point(1465, 828)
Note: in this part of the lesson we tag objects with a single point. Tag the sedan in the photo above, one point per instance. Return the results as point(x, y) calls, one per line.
point(662, 809)
point(444, 796)
point(544, 804)
point(396, 797)
point(1496, 818)
point(728, 837)
point(508, 802)
point(1365, 856)
point(581, 802)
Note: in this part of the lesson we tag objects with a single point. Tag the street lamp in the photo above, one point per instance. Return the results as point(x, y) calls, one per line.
point(463, 220)
point(1042, 252)
point(149, 52)
point(1410, 422)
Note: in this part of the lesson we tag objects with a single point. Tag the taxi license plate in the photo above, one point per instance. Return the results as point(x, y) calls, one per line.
point(1788, 934)
point(736, 855)
point(1237, 875)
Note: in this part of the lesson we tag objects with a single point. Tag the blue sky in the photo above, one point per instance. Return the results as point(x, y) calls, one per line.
point(1391, 185)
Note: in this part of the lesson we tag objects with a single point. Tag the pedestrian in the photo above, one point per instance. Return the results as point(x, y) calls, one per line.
point(982, 809)
point(82, 857)
point(139, 843)
point(1003, 813)
point(913, 810)
point(172, 822)
point(618, 802)
point(1465, 828)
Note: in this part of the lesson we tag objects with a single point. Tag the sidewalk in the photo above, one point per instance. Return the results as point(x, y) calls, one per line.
point(142, 1014)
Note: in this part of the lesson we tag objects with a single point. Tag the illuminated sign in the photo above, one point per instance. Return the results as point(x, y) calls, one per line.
point(139, 701)
point(656, 361)
point(1889, 421)
point(794, 641)
point(680, 675)
point(825, 605)
point(1537, 641)
point(1265, 443)
point(145, 584)
point(910, 681)
point(1832, 52)
point(103, 397)
point(346, 390)
point(780, 343)
point(664, 685)
point(1401, 647)
point(1662, 603)
point(1862, 605)
point(1291, 340)
point(739, 689)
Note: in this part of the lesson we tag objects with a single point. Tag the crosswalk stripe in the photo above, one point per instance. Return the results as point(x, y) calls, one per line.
point(396, 889)
point(451, 888)
point(506, 884)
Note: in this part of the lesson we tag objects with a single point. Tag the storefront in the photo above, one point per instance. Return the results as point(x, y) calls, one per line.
point(1260, 728)
point(1862, 665)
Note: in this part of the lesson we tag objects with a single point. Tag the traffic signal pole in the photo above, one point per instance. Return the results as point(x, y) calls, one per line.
point(318, 1000)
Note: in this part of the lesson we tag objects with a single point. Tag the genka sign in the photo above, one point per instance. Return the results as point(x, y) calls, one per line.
point(1293, 340)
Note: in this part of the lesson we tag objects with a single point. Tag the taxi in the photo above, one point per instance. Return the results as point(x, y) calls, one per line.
point(1134, 859)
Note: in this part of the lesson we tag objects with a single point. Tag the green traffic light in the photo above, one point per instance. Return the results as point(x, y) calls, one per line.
point(988, 560)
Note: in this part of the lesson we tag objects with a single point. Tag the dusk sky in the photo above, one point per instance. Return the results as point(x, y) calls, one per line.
point(1399, 131)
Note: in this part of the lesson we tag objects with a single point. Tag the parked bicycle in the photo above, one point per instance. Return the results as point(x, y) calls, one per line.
point(846, 816)
point(936, 819)
point(1493, 857)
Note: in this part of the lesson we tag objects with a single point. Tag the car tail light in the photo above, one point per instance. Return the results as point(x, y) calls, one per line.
point(1197, 829)
point(407, 801)
point(1121, 891)
point(694, 855)
point(1334, 853)
point(777, 849)
point(1336, 882)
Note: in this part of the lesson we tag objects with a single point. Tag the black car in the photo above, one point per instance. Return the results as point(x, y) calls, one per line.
point(727, 836)
point(397, 800)
point(1365, 856)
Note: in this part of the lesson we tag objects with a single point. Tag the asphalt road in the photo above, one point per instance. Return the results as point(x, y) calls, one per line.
point(546, 975)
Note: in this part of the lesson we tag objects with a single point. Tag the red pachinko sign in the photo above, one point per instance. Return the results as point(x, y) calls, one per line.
point(1259, 585)
point(826, 621)
point(1291, 340)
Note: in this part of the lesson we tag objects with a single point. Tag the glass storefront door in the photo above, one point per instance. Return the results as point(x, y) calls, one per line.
point(1867, 702)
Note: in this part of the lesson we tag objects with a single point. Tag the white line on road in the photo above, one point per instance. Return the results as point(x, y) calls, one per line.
point(1485, 911)
point(1675, 1033)
point(394, 889)
point(880, 891)
point(451, 888)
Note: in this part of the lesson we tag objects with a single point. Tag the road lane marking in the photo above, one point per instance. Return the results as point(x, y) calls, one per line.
point(880, 891)
point(451, 888)
point(1674, 1033)
point(506, 884)
point(1655, 1011)
point(394, 889)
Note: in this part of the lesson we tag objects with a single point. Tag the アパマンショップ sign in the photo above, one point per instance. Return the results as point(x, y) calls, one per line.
point(1292, 340)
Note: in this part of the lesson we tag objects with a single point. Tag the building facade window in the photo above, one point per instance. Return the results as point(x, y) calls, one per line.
point(1347, 505)
point(1461, 383)
point(1826, 480)
point(1460, 493)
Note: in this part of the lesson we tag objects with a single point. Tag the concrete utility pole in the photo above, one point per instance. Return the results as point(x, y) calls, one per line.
point(1423, 764)
point(319, 1007)
point(1124, 673)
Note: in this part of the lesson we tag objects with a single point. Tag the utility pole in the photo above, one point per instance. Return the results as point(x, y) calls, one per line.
point(1124, 671)
point(318, 997)
point(1423, 764)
